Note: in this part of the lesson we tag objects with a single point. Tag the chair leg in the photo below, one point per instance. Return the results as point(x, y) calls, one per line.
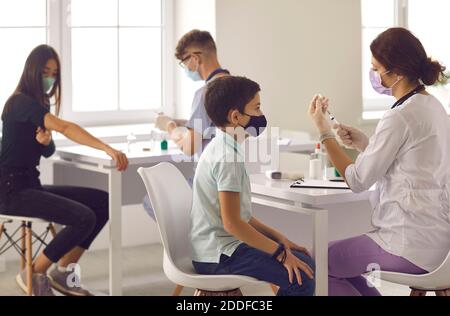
point(236, 292)
point(274, 288)
point(52, 230)
point(29, 255)
point(2, 228)
point(177, 291)
point(23, 246)
point(443, 293)
point(418, 293)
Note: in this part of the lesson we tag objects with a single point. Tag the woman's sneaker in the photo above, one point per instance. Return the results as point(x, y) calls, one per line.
point(63, 282)
point(41, 284)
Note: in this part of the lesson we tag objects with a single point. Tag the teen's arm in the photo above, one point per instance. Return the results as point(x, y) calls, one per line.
point(77, 134)
point(266, 230)
point(230, 210)
point(276, 235)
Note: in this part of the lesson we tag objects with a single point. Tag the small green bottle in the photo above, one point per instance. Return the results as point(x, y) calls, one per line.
point(336, 173)
point(164, 145)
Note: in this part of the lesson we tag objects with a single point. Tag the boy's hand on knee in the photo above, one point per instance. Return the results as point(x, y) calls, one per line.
point(293, 246)
point(294, 266)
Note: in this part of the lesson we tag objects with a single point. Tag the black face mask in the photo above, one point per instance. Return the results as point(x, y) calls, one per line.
point(256, 126)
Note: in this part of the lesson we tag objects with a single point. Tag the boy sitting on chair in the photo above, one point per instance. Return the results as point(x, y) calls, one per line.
point(225, 237)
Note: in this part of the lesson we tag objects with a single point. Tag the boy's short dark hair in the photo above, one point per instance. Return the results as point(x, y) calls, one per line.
point(201, 40)
point(228, 93)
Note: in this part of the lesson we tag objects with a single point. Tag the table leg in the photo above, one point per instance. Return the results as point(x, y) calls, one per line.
point(320, 241)
point(320, 236)
point(115, 232)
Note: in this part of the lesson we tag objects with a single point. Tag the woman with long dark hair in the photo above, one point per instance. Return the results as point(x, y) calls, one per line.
point(409, 160)
point(27, 126)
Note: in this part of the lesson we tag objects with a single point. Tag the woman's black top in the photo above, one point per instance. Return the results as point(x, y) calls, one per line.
point(20, 151)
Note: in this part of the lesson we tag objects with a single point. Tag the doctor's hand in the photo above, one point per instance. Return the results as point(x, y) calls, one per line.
point(351, 137)
point(162, 122)
point(318, 113)
point(43, 136)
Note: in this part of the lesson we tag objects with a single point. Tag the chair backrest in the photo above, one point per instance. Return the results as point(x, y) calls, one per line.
point(171, 199)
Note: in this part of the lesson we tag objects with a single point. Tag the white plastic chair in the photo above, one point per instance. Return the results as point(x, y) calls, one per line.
point(26, 239)
point(171, 198)
point(437, 281)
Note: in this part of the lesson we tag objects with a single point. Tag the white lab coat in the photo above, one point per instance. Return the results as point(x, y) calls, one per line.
point(409, 160)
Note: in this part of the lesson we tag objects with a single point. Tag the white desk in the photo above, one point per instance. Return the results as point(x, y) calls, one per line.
point(278, 194)
point(90, 159)
point(85, 158)
point(298, 147)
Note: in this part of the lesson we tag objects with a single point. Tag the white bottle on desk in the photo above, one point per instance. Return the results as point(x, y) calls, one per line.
point(315, 167)
point(323, 157)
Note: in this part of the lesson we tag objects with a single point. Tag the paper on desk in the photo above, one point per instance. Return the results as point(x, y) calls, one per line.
point(320, 184)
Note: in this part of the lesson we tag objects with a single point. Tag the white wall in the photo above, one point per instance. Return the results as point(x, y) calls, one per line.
point(294, 49)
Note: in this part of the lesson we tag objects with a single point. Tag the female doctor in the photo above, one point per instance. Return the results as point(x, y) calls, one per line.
point(409, 160)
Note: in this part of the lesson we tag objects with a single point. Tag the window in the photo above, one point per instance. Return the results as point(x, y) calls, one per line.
point(20, 31)
point(426, 19)
point(113, 54)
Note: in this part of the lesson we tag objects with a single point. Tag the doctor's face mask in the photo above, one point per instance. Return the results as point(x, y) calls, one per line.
point(377, 83)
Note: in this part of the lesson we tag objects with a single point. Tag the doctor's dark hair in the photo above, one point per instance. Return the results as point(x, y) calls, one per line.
point(398, 50)
point(200, 40)
point(30, 82)
point(228, 93)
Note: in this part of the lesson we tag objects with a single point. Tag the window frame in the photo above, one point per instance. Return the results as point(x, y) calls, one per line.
point(374, 108)
point(45, 28)
point(59, 36)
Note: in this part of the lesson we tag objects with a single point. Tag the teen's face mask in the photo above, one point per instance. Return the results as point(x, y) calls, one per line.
point(256, 126)
point(194, 75)
point(377, 83)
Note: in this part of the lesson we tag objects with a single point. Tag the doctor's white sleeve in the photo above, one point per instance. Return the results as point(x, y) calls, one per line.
point(382, 151)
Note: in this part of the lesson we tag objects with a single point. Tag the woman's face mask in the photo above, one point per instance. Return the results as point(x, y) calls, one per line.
point(377, 83)
point(48, 83)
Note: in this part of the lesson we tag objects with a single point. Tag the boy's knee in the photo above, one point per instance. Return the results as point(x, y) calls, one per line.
point(306, 259)
point(307, 288)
